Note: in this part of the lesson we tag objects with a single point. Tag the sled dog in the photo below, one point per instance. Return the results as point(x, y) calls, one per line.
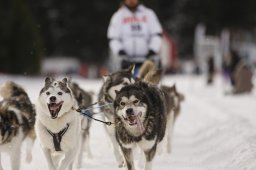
point(173, 101)
point(140, 120)
point(114, 82)
point(17, 119)
point(58, 125)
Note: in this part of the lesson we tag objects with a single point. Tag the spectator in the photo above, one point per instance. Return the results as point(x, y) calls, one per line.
point(235, 59)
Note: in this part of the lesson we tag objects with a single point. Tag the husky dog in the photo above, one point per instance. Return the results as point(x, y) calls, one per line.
point(17, 119)
point(173, 100)
point(84, 99)
point(140, 119)
point(58, 125)
point(114, 82)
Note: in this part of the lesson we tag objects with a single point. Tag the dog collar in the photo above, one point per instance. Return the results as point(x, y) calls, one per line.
point(56, 137)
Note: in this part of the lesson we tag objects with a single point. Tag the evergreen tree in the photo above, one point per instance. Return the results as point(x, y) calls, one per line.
point(75, 28)
point(20, 45)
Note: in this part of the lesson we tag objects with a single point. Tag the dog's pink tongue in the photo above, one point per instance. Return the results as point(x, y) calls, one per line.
point(54, 107)
point(140, 124)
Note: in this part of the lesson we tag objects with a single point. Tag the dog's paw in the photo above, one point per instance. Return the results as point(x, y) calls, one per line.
point(121, 164)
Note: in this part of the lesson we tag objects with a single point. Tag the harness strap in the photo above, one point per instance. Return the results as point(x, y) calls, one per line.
point(57, 137)
point(87, 113)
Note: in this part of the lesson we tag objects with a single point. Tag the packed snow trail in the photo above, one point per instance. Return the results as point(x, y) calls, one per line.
point(213, 132)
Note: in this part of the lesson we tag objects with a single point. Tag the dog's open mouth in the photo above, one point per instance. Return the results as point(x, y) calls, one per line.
point(54, 109)
point(133, 119)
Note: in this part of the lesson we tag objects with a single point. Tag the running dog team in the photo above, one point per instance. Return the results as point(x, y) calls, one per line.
point(142, 113)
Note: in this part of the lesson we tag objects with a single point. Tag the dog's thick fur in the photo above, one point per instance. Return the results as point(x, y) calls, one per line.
point(174, 98)
point(17, 119)
point(147, 66)
point(153, 77)
point(149, 72)
point(55, 115)
point(114, 82)
point(144, 104)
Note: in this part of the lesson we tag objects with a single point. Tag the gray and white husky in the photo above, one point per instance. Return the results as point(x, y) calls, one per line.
point(112, 83)
point(173, 100)
point(140, 120)
point(17, 119)
point(58, 125)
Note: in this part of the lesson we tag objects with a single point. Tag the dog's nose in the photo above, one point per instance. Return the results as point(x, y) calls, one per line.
point(129, 111)
point(52, 98)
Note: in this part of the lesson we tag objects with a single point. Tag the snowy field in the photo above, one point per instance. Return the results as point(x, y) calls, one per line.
point(214, 131)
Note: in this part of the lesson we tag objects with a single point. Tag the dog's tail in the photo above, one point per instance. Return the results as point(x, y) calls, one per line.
point(146, 67)
point(153, 76)
point(10, 89)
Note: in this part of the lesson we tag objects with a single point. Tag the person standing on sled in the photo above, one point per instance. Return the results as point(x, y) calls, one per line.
point(135, 34)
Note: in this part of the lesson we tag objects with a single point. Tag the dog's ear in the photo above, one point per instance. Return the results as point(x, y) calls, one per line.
point(69, 78)
point(117, 92)
point(65, 80)
point(131, 68)
point(105, 78)
point(48, 80)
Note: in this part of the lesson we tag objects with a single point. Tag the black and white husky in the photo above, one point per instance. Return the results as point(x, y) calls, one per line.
point(112, 83)
point(140, 120)
point(17, 119)
point(58, 125)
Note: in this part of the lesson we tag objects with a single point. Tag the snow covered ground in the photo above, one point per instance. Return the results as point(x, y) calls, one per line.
point(214, 131)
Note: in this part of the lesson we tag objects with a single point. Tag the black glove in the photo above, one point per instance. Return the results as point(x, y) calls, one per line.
point(122, 53)
point(150, 54)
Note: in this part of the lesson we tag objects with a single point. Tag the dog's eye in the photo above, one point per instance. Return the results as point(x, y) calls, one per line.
point(125, 83)
point(135, 101)
point(59, 93)
point(47, 93)
point(122, 103)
